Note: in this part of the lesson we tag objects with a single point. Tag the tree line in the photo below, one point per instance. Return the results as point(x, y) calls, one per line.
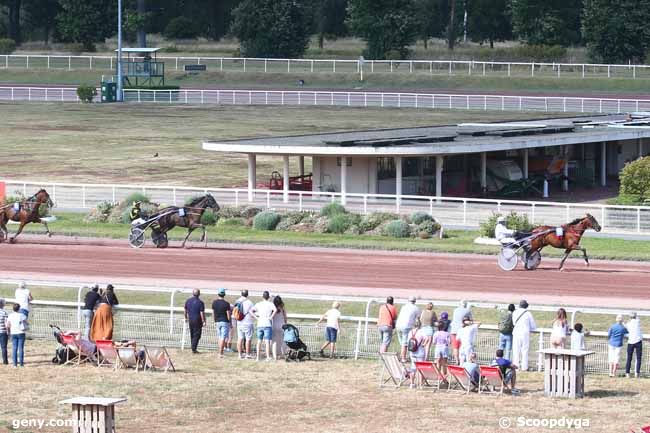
point(612, 30)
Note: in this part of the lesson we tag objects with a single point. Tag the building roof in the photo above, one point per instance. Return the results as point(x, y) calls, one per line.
point(139, 50)
point(446, 139)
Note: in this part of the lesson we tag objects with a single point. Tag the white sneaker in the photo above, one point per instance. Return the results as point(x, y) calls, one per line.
point(627, 375)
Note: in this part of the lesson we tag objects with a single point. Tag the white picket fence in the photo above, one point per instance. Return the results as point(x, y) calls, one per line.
point(311, 66)
point(550, 104)
point(450, 211)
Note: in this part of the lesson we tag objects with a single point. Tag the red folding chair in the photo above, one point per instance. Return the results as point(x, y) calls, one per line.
point(428, 376)
point(491, 381)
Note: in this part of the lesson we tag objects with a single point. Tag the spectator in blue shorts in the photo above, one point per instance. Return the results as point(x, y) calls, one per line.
point(508, 369)
point(332, 316)
point(264, 312)
point(221, 311)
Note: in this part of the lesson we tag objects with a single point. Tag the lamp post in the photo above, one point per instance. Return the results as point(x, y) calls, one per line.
point(119, 50)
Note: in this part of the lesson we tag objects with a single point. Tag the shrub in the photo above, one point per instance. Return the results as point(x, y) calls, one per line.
point(420, 217)
point(7, 46)
point(374, 220)
point(635, 181)
point(266, 220)
point(514, 221)
point(100, 213)
point(290, 219)
point(209, 218)
point(397, 229)
point(132, 198)
point(332, 209)
point(339, 224)
point(181, 28)
point(430, 227)
point(86, 93)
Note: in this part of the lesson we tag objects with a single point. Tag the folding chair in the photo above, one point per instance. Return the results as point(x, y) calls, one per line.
point(491, 381)
point(107, 354)
point(129, 357)
point(428, 375)
point(71, 351)
point(461, 380)
point(397, 373)
point(157, 358)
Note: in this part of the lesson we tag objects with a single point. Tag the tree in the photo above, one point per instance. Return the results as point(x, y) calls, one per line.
point(41, 15)
point(635, 181)
point(86, 21)
point(387, 26)
point(547, 22)
point(272, 28)
point(432, 17)
point(13, 19)
point(489, 20)
point(616, 31)
point(330, 16)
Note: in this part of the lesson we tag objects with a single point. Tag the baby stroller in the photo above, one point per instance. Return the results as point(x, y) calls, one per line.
point(297, 348)
point(62, 352)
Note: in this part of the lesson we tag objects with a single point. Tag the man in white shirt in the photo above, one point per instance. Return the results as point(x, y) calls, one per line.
point(264, 311)
point(245, 326)
point(404, 323)
point(23, 298)
point(502, 233)
point(524, 324)
point(460, 313)
point(467, 336)
point(634, 344)
point(332, 317)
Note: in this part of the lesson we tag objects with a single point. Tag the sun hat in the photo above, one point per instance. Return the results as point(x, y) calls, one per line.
point(222, 292)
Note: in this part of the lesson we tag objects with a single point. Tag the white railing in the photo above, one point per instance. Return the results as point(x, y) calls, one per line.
point(450, 211)
point(310, 66)
point(549, 104)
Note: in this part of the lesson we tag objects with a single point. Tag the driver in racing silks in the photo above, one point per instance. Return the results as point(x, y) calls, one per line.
point(136, 213)
point(507, 236)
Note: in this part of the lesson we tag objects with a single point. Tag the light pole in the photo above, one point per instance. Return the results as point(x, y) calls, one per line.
point(119, 50)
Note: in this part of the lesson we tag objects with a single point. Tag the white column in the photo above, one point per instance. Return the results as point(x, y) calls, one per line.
point(565, 169)
point(484, 172)
point(525, 164)
point(301, 165)
point(372, 175)
point(344, 179)
point(603, 163)
point(315, 168)
point(285, 179)
point(252, 175)
point(439, 165)
point(398, 178)
point(640, 147)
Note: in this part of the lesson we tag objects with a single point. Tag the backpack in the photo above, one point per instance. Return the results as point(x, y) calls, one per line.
point(413, 344)
point(505, 323)
point(238, 311)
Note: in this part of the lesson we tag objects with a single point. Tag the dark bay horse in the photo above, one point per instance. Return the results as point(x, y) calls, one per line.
point(170, 217)
point(28, 213)
point(570, 241)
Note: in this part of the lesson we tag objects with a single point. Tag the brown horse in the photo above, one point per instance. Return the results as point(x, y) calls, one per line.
point(28, 212)
point(570, 241)
point(170, 217)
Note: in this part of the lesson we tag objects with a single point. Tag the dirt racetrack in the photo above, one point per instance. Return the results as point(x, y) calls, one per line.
point(327, 271)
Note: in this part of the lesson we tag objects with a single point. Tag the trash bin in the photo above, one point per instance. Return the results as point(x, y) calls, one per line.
point(109, 92)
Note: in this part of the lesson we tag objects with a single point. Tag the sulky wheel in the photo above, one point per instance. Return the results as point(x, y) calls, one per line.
point(136, 237)
point(159, 239)
point(532, 260)
point(507, 259)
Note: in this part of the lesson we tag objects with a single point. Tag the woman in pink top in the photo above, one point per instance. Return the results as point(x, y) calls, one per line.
point(441, 339)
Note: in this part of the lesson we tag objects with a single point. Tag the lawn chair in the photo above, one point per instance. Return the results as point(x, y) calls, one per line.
point(107, 354)
point(85, 351)
point(129, 358)
point(460, 380)
point(397, 373)
point(428, 376)
point(71, 351)
point(157, 358)
point(491, 381)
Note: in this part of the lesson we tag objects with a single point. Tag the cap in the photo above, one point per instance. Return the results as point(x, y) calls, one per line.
point(222, 292)
point(412, 298)
point(523, 304)
point(633, 315)
point(444, 315)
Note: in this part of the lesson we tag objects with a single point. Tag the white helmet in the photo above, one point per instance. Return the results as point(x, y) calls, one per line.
point(501, 220)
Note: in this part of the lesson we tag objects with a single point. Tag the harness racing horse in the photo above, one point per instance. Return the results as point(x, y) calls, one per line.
point(28, 212)
point(187, 216)
point(570, 241)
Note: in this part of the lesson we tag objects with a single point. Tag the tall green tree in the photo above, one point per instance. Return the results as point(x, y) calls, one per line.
point(547, 22)
point(386, 25)
point(330, 19)
point(41, 16)
point(617, 31)
point(272, 28)
point(432, 16)
point(489, 20)
point(86, 21)
point(13, 19)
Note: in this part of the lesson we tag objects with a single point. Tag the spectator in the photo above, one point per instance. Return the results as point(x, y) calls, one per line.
point(463, 310)
point(444, 319)
point(102, 323)
point(615, 336)
point(332, 316)
point(577, 338)
point(245, 326)
point(221, 312)
point(91, 299)
point(560, 329)
point(16, 324)
point(441, 340)
point(264, 311)
point(4, 336)
point(634, 344)
point(195, 317)
point(472, 368)
point(505, 330)
point(416, 347)
point(24, 298)
point(427, 319)
point(386, 323)
point(508, 369)
point(405, 321)
point(467, 336)
point(279, 320)
point(523, 324)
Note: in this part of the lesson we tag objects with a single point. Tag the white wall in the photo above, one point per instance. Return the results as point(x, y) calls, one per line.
point(359, 174)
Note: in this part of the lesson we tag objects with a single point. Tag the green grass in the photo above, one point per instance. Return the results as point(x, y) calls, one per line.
point(104, 143)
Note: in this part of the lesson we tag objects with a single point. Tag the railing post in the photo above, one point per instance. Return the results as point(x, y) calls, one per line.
point(113, 193)
point(358, 341)
point(83, 196)
point(465, 212)
point(69, 63)
point(602, 218)
point(300, 201)
point(174, 196)
point(171, 313)
point(365, 333)
point(540, 355)
point(638, 220)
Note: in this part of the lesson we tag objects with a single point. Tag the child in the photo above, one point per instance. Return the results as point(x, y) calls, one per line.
point(417, 351)
point(467, 336)
point(577, 338)
point(332, 317)
point(441, 340)
point(507, 369)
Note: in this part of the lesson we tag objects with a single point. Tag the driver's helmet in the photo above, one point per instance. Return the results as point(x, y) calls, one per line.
point(501, 220)
point(137, 203)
